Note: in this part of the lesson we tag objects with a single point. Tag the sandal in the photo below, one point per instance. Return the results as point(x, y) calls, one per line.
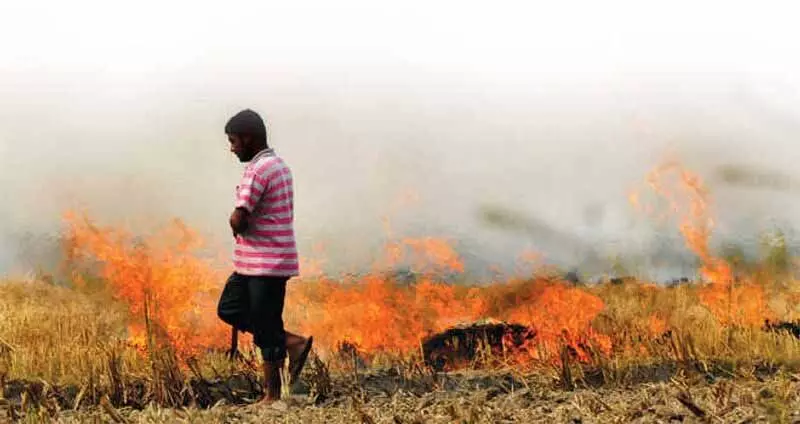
point(300, 362)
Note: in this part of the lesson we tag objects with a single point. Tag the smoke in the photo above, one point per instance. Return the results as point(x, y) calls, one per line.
point(558, 136)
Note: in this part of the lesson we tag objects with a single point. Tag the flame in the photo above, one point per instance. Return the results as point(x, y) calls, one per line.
point(171, 296)
point(170, 293)
point(744, 305)
point(656, 325)
point(559, 315)
point(689, 199)
point(379, 315)
point(376, 314)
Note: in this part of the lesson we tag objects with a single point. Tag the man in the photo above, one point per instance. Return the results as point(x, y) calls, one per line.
point(265, 255)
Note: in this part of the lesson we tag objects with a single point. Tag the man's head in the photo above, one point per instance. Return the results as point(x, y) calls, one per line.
point(247, 134)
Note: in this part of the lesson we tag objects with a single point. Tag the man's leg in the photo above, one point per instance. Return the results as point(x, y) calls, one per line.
point(266, 317)
point(234, 306)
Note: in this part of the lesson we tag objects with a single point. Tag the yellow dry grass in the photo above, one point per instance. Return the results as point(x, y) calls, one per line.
point(56, 334)
point(64, 337)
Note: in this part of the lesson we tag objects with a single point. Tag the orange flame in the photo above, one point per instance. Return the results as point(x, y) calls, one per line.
point(656, 325)
point(559, 315)
point(170, 293)
point(689, 199)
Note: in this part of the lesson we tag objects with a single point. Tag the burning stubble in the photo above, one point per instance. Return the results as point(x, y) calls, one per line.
point(166, 285)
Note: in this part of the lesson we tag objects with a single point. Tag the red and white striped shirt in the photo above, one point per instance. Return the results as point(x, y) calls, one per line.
point(268, 246)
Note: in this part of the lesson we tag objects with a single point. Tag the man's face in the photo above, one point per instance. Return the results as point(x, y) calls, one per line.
point(241, 147)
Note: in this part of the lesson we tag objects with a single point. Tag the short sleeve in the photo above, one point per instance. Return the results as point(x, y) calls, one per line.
point(251, 188)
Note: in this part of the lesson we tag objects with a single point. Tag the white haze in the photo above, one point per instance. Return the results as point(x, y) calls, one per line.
point(553, 109)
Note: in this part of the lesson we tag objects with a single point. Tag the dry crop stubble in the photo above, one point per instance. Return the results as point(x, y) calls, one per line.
point(76, 344)
point(135, 337)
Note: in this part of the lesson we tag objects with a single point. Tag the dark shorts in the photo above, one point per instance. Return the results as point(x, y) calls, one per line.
point(255, 304)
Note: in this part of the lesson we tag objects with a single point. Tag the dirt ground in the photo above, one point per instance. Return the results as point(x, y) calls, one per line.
point(497, 399)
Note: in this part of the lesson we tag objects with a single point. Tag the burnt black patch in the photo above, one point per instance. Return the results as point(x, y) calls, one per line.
point(790, 327)
point(459, 345)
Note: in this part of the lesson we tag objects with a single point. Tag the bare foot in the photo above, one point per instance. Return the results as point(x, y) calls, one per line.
point(272, 382)
point(269, 399)
point(274, 403)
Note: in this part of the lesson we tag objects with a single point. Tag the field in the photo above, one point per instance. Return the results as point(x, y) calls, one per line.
point(129, 333)
point(66, 357)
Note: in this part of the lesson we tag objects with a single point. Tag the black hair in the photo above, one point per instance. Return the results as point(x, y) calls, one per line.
point(249, 123)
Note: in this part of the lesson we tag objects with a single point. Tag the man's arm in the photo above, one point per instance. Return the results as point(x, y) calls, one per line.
point(249, 192)
point(238, 221)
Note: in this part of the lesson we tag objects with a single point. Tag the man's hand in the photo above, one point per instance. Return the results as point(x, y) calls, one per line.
point(238, 221)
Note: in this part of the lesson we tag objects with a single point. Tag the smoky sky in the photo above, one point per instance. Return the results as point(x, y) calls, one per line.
point(421, 115)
